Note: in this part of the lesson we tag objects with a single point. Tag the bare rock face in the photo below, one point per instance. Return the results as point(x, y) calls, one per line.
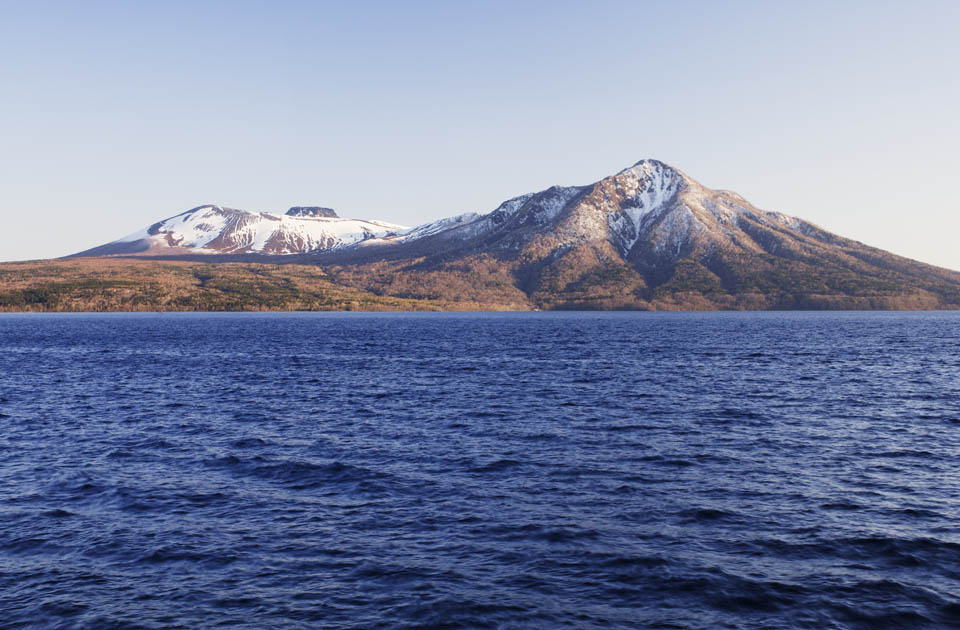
point(312, 211)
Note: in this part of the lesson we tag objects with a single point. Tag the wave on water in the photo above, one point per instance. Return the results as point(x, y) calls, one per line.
point(543, 470)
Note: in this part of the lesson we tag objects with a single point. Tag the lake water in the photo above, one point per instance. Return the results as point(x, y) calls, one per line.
point(527, 470)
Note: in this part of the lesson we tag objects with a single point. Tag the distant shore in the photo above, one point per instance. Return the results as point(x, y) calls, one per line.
point(143, 285)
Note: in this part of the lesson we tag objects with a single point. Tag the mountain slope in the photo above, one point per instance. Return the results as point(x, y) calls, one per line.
point(646, 237)
point(217, 230)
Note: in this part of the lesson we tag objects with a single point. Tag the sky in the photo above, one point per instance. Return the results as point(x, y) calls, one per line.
point(115, 115)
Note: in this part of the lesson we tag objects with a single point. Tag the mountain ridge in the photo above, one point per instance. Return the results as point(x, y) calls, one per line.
point(215, 229)
point(651, 234)
point(647, 237)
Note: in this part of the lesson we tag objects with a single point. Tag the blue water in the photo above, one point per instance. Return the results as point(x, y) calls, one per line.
point(537, 470)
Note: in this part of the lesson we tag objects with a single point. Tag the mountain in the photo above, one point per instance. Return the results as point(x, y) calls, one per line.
point(647, 237)
point(217, 230)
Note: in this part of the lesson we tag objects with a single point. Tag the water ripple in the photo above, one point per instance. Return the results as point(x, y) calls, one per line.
point(547, 470)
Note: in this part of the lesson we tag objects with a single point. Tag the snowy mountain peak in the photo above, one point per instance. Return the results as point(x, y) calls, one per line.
point(651, 164)
point(635, 195)
point(649, 210)
point(206, 206)
point(647, 236)
point(214, 229)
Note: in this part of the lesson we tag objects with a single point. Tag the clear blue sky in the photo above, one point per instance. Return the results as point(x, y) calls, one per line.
point(118, 114)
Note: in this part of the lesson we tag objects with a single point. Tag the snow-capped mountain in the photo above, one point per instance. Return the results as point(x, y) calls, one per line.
point(647, 211)
point(648, 236)
point(217, 230)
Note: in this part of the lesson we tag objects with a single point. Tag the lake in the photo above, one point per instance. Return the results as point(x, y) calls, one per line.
point(487, 470)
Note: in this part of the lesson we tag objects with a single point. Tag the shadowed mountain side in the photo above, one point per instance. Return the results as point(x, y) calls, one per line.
point(588, 276)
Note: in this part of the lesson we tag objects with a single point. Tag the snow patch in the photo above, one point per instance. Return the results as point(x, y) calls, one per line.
point(647, 186)
point(213, 229)
point(436, 227)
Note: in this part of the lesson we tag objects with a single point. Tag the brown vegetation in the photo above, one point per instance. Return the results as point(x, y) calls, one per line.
point(129, 284)
point(589, 276)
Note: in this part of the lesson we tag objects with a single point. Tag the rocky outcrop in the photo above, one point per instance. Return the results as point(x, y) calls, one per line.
point(312, 212)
